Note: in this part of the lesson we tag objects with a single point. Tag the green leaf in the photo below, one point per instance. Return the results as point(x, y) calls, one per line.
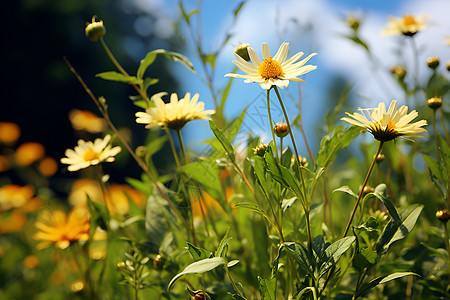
point(222, 139)
point(158, 215)
point(238, 9)
point(198, 253)
point(151, 56)
point(301, 256)
point(437, 177)
point(200, 266)
point(99, 216)
point(395, 231)
point(225, 93)
point(267, 288)
point(335, 250)
point(381, 280)
point(282, 174)
point(364, 259)
point(357, 41)
point(331, 145)
point(205, 174)
point(211, 59)
point(256, 209)
point(346, 189)
point(115, 76)
point(380, 193)
point(223, 245)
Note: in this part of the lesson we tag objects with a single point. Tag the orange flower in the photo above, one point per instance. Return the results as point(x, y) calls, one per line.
point(9, 132)
point(57, 228)
point(118, 199)
point(28, 153)
point(87, 121)
point(14, 196)
point(209, 204)
point(48, 166)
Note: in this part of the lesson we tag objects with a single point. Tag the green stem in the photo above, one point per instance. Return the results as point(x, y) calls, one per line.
point(232, 281)
point(307, 204)
point(172, 146)
point(270, 124)
point(416, 64)
point(444, 126)
point(447, 245)
point(122, 70)
point(182, 146)
point(362, 189)
point(435, 135)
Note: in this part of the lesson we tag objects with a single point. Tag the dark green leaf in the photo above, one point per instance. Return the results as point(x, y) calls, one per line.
point(437, 176)
point(223, 245)
point(222, 139)
point(364, 259)
point(198, 253)
point(380, 193)
point(301, 256)
point(335, 250)
point(347, 190)
point(381, 280)
point(151, 56)
point(267, 288)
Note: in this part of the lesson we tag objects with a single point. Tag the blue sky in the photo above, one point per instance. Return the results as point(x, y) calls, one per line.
point(309, 26)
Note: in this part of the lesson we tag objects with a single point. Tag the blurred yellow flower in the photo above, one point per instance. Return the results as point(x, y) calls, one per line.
point(408, 25)
point(14, 196)
point(208, 204)
point(55, 227)
point(175, 114)
point(116, 196)
point(272, 71)
point(9, 132)
point(386, 126)
point(28, 153)
point(78, 285)
point(48, 166)
point(31, 261)
point(90, 153)
point(87, 121)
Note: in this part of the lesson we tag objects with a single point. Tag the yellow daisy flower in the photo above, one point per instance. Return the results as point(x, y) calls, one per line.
point(386, 126)
point(57, 228)
point(90, 153)
point(272, 70)
point(175, 114)
point(408, 25)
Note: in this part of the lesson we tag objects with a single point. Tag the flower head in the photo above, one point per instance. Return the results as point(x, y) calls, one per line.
point(95, 30)
point(174, 114)
point(86, 120)
point(272, 70)
point(57, 228)
point(90, 153)
point(388, 125)
point(408, 25)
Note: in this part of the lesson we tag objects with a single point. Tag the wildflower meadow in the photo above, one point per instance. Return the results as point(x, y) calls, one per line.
point(355, 210)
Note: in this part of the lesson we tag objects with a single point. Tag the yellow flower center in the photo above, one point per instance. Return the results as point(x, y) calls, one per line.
point(409, 20)
point(270, 68)
point(90, 155)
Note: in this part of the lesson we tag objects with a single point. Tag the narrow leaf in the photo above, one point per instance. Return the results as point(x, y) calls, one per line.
point(115, 76)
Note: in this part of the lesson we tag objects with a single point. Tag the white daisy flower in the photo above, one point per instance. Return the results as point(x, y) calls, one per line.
point(272, 71)
point(174, 114)
point(386, 126)
point(408, 25)
point(90, 153)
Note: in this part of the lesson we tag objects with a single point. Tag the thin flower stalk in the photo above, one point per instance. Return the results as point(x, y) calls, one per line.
point(307, 205)
point(362, 189)
point(122, 70)
point(172, 147)
point(270, 124)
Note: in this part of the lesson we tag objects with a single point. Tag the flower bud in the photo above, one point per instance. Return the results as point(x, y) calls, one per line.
point(434, 102)
point(198, 296)
point(399, 71)
point(303, 161)
point(443, 215)
point(260, 149)
point(159, 261)
point(141, 151)
point(120, 266)
point(281, 129)
point(353, 22)
point(242, 51)
point(432, 62)
point(380, 158)
point(95, 30)
point(447, 65)
point(368, 189)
